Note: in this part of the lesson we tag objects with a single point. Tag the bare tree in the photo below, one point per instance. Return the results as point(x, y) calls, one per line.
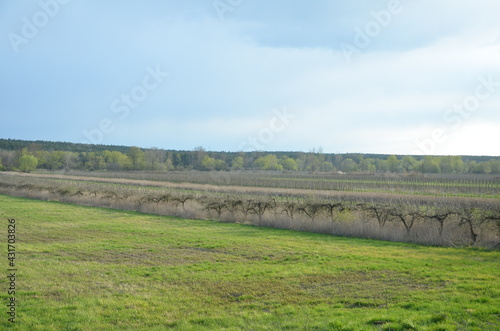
point(216, 205)
point(246, 207)
point(310, 209)
point(181, 200)
point(233, 205)
point(333, 209)
point(259, 208)
point(378, 211)
point(467, 217)
point(406, 212)
point(289, 208)
point(495, 217)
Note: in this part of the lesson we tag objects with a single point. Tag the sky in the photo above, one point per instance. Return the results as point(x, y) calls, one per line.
point(358, 76)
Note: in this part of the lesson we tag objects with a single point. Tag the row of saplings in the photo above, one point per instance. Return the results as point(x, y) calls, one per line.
point(441, 214)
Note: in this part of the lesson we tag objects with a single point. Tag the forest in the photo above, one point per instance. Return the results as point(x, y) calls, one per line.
point(27, 156)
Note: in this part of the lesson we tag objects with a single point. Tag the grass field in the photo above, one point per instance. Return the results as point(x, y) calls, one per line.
point(82, 268)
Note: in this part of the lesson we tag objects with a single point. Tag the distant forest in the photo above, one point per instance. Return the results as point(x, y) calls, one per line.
point(22, 155)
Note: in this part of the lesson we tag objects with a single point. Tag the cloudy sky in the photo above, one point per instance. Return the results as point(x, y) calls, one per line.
point(394, 77)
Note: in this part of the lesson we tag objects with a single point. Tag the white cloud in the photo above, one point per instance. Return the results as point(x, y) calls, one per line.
point(475, 138)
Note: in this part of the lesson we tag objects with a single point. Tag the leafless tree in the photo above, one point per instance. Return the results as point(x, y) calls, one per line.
point(289, 208)
point(438, 212)
point(246, 207)
point(259, 208)
point(216, 205)
point(181, 200)
point(334, 208)
point(468, 214)
point(233, 205)
point(406, 212)
point(310, 209)
point(378, 211)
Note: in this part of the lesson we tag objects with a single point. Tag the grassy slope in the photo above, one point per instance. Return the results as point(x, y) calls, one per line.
point(96, 269)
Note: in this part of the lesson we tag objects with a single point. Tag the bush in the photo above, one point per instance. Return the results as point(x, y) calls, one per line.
point(27, 163)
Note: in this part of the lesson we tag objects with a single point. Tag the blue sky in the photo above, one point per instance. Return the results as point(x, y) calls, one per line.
point(394, 77)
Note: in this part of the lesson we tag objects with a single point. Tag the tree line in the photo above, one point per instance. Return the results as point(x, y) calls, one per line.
point(28, 156)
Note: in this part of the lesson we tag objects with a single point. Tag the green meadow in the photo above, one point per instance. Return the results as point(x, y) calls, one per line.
point(82, 268)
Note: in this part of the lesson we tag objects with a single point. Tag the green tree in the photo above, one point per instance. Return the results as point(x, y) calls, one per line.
point(495, 166)
point(348, 165)
point(24, 151)
point(116, 161)
point(208, 163)
point(177, 161)
point(169, 165)
point(431, 165)
point(314, 162)
point(220, 165)
point(481, 168)
point(457, 164)
point(393, 163)
point(27, 163)
point(106, 155)
point(445, 164)
point(366, 165)
point(69, 160)
point(289, 164)
point(198, 156)
point(382, 165)
point(238, 163)
point(451, 164)
point(268, 162)
point(409, 163)
point(327, 166)
point(136, 156)
point(154, 159)
point(95, 162)
point(52, 160)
